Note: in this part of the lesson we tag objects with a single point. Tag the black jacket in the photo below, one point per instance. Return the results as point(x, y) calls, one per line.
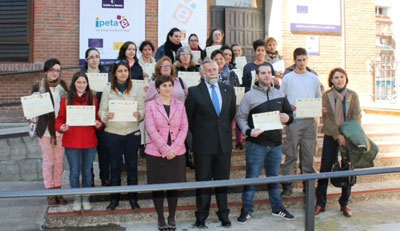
point(210, 131)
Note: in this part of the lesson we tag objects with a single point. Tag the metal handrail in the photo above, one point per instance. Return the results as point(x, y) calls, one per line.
point(309, 178)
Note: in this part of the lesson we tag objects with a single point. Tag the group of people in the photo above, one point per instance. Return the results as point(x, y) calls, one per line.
point(173, 121)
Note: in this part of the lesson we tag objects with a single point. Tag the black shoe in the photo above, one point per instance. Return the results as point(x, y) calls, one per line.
point(134, 204)
point(284, 214)
point(113, 204)
point(244, 216)
point(171, 224)
point(226, 223)
point(105, 183)
point(200, 224)
point(162, 226)
point(239, 146)
point(286, 192)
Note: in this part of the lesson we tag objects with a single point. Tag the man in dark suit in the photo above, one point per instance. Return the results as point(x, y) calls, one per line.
point(211, 107)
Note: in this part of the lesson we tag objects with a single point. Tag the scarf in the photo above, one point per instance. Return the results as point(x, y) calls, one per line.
point(170, 49)
point(224, 75)
point(339, 96)
point(273, 55)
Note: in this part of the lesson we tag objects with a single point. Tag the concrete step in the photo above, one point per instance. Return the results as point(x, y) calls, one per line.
point(63, 216)
point(238, 168)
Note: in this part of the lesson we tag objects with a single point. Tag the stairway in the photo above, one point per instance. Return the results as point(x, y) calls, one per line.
point(384, 131)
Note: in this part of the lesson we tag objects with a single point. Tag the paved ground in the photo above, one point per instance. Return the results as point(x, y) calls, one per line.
point(27, 215)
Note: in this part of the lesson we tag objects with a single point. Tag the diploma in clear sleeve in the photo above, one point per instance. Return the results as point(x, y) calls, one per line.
point(308, 108)
point(240, 62)
point(81, 115)
point(191, 78)
point(123, 110)
point(239, 92)
point(97, 81)
point(210, 49)
point(149, 69)
point(196, 57)
point(267, 121)
point(36, 105)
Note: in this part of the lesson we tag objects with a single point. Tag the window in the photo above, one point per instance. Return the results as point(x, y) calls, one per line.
point(15, 30)
point(381, 11)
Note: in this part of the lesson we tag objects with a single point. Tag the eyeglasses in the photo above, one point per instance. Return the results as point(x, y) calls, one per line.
point(121, 61)
point(184, 54)
point(54, 70)
point(165, 66)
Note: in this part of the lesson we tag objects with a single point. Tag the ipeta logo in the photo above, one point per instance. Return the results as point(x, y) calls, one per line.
point(120, 21)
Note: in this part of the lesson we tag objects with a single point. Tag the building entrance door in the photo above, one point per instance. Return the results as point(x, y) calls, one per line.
point(241, 25)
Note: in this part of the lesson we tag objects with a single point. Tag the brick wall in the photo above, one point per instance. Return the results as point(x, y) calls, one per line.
point(359, 46)
point(56, 34)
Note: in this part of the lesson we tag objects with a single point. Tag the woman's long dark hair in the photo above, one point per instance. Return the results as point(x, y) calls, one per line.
point(123, 49)
point(210, 40)
point(114, 81)
point(72, 89)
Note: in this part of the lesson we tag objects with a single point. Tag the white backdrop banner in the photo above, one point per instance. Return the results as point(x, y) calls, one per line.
point(190, 16)
point(107, 24)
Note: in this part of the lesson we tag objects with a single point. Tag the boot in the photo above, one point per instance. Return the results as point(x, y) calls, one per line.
point(115, 196)
point(85, 203)
point(189, 159)
point(133, 197)
point(77, 203)
point(60, 199)
point(52, 200)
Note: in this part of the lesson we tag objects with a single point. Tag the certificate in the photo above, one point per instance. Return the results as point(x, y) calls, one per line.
point(267, 121)
point(239, 74)
point(36, 105)
point(191, 78)
point(123, 110)
point(308, 108)
point(81, 115)
point(138, 83)
point(196, 57)
point(239, 92)
point(253, 78)
point(97, 81)
point(210, 49)
point(240, 62)
point(279, 66)
point(149, 69)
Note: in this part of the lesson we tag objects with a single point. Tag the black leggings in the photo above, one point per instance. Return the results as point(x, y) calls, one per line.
point(158, 200)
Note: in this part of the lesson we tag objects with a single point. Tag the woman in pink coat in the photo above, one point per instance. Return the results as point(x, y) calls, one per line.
point(167, 126)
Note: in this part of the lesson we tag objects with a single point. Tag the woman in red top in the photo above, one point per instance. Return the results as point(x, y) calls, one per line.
point(80, 142)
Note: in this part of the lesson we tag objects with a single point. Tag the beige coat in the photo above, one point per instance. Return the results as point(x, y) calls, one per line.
point(353, 111)
point(121, 128)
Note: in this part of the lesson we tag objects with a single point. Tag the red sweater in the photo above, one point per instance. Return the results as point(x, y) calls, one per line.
point(78, 137)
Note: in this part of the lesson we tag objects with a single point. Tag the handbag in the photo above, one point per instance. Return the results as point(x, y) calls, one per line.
point(345, 165)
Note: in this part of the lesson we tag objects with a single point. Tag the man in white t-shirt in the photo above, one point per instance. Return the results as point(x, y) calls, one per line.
point(299, 84)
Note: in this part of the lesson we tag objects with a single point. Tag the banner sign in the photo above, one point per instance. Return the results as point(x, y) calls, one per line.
point(315, 16)
point(107, 24)
point(190, 16)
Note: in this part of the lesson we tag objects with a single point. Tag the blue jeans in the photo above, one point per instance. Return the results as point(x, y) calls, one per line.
point(256, 156)
point(80, 160)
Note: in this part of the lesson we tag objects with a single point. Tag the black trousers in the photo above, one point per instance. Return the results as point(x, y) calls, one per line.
point(104, 163)
point(330, 152)
point(215, 166)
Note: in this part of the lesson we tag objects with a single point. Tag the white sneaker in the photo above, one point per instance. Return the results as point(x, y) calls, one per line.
point(86, 203)
point(77, 203)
